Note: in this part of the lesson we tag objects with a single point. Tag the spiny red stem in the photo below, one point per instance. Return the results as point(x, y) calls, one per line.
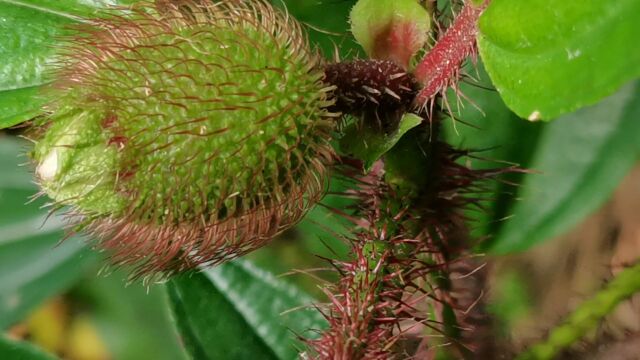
point(441, 65)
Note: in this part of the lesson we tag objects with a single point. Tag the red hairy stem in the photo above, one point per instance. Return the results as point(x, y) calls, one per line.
point(410, 266)
point(441, 65)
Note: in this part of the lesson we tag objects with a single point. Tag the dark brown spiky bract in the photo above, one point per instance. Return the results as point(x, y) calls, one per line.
point(187, 135)
point(379, 91)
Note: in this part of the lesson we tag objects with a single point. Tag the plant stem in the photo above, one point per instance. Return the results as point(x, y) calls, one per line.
point(586, 317)
point(442, 63)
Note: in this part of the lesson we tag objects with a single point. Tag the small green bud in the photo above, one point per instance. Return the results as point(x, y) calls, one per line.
point(187, 135)
point(391, 29)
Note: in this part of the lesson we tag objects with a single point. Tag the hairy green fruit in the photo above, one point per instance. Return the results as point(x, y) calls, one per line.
point(187, 135)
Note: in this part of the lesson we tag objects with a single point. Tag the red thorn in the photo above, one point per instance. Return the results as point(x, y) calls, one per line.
point(119, 141)
point(109, 120)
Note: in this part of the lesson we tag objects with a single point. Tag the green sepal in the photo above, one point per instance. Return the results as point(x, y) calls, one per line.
point(370, 144)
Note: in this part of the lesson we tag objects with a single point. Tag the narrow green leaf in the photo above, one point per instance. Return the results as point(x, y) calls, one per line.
point(33, 269)
point(550, 57)
point(236, 311)
point(20, 350)
point(33, 263)
point(581, 159)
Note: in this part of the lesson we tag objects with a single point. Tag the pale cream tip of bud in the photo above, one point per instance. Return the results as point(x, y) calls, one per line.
point(48, 168)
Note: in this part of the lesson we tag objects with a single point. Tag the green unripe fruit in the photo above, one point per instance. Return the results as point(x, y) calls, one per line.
point(187, 135)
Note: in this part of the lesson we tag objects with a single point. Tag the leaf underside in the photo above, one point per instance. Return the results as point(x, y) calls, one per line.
point(582, 158)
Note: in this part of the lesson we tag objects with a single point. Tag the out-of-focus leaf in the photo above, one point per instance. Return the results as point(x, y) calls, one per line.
point(550, 57)
point(581, 159)
point(327, 23)
point(510, 301)
point(33, 265)
point(30, 29)
point(134, 321)
point(19, 350)
point(323, 230)
point(496, 138)
point(369, 145)
point(236, 311)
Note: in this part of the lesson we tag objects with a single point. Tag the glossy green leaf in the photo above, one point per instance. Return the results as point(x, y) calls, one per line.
point(581, 159)
point(236, 311)
point(30, 29)
point(28, 32)
point(20, 350)
point(369, 145)
point(18, 105)
point(34, 265)
point(549, 57)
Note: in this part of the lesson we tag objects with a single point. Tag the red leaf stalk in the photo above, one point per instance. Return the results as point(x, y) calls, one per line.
point(440, 67)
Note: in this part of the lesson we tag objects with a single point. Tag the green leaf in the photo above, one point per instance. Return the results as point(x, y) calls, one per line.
point(548, 58)
point(28, 32)
point(71, 9)
point(329, 33)
point(322, 230)
point(236, 311)
point(30, 29)
point(495, 136)
point(369, 144)
point(18, 105)
point(33, 263)
point(20, 350)
point(581, 160)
